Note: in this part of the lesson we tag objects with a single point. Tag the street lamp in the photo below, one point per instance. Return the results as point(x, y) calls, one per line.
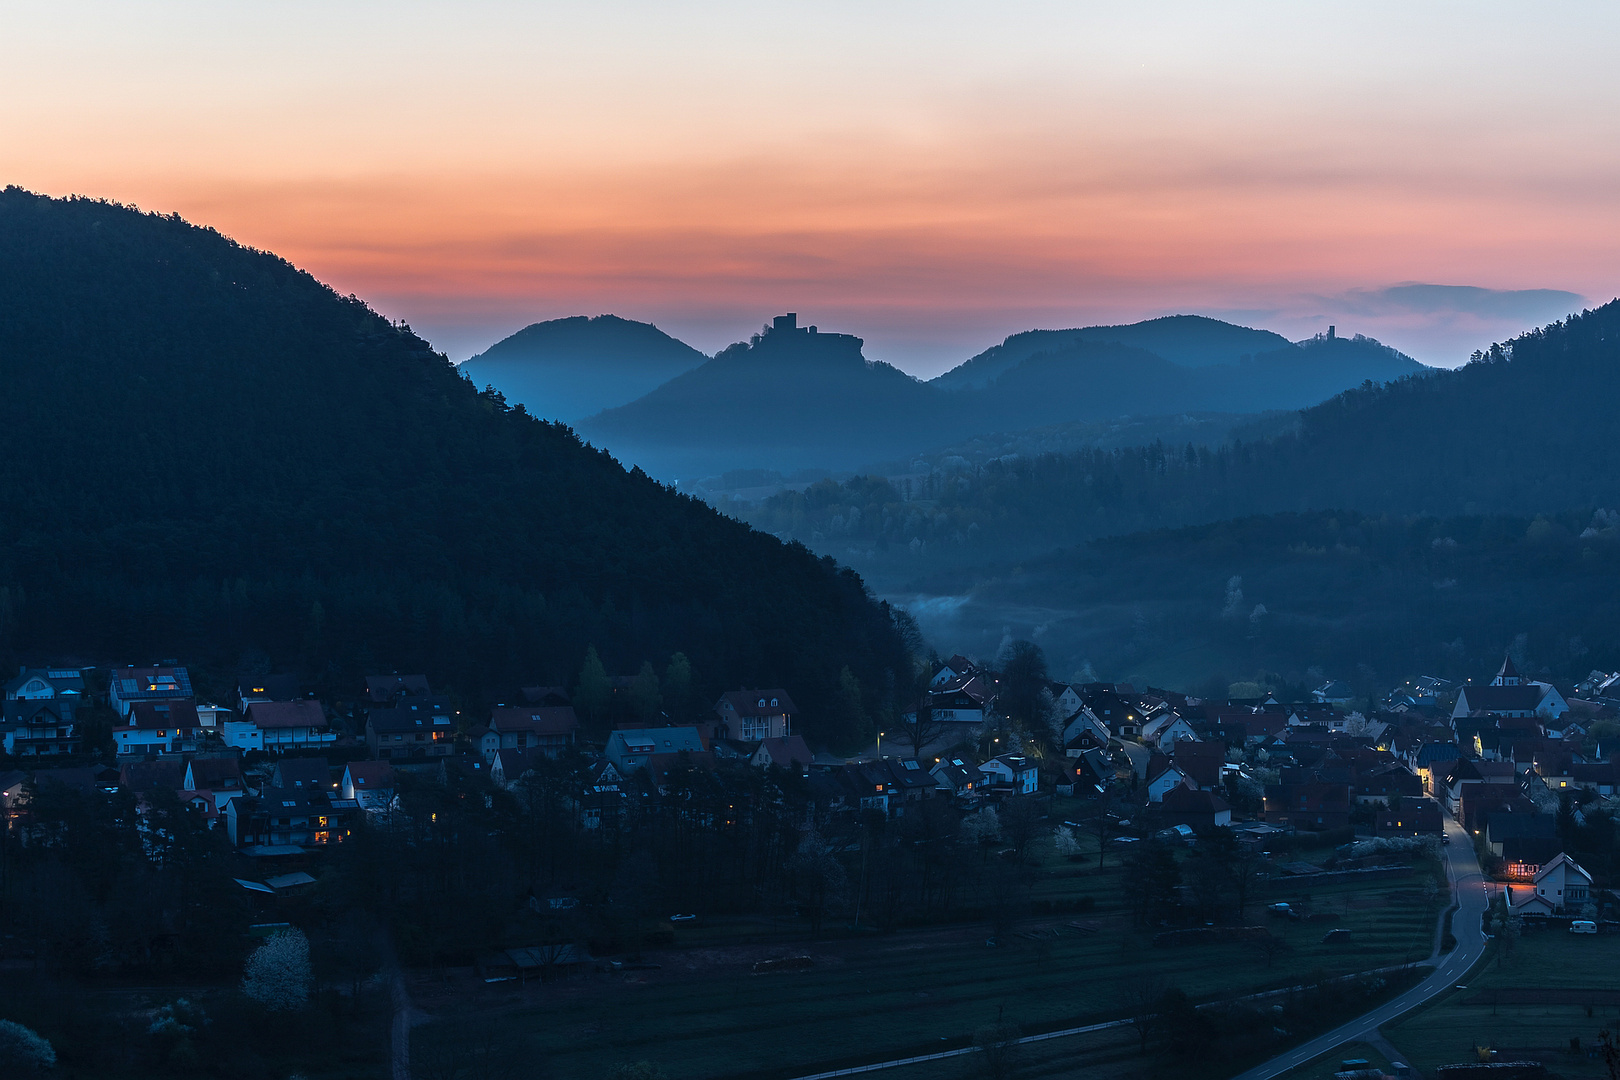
point(880, 746)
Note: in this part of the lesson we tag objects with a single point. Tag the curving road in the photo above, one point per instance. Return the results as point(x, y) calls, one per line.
point(1468, 890)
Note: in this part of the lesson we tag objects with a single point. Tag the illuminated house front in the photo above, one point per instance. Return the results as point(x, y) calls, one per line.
point(1561, 887)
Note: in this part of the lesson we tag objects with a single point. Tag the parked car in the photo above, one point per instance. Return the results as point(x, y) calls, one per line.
point(1283, 910)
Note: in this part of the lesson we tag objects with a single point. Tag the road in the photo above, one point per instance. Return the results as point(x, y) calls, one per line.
point(1468, 890)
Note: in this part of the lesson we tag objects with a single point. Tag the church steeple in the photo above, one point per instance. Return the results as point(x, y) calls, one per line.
point(1509, 675)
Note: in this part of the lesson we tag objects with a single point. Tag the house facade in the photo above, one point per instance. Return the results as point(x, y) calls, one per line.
point(165, 726)
point(280, 725)
point(752, 715)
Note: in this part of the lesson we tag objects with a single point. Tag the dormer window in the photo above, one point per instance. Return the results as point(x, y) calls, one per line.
point(773, 703)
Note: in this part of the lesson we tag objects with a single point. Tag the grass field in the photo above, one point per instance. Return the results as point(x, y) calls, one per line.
point(1449, 1029)
point(703, 1014)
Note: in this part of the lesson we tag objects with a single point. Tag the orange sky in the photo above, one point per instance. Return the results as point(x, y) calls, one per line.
point(930, 176)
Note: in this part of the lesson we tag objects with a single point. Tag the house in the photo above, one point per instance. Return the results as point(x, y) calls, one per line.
point(1201, 810)
point(218, 773)
point(965, 700)
point(369, 783)
point(1333, 692)
point(1509, 694)
point(388, 689)
point(1203, 763)
point(419, 726)
point(1084, 731)
point(510, 766)
point(549, 728)
point(956, 667)
point(41, 727)
point(1013, 773)
point(1409, 817)
point(1309, 805)
point(545, 695)
point(267, 688)
point(1601, 776)
point(909, 782)
point(1384, 783)
point(630, 749)
point(280, 725)
point(958, 777)
point(602, 795)
point(142, 777)
point(303, 774)
point(1164, 774)
point(1066, 698)
point(790, 753)
point(279, 817)
point(1166, 729)
point(125, 686)
point(1560, 887)
point(1086, 775)
point(165, 726)
point(1523, 838)
point(752, 715)
point(46, 684)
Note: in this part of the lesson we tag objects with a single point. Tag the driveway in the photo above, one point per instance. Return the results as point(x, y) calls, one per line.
point(1468, 889)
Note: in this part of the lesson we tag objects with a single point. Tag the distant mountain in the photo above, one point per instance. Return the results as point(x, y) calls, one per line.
point(791, 398)
point(1094, 380)
point(794, 399)
point(1185, 340)
point(567, 369)
point(1527, 428)
point(205, 452)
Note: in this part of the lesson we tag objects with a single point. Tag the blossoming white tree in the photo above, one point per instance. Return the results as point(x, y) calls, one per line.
point(278, 973)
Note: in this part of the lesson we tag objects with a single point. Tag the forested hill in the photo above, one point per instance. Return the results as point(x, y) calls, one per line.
point(791, 399)
point(1185, 340)
point(568, 369)
point(205, 452)
point(1527, 428)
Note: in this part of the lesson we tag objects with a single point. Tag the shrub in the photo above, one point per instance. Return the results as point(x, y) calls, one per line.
point(278, 973)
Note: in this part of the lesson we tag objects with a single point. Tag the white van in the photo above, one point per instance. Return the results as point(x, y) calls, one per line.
point(1583, 926)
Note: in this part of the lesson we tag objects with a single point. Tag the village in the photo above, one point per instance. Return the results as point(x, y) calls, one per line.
point(731, 832)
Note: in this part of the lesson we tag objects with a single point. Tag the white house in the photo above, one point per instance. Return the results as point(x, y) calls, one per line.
point(1084, 721)
point(1067, 700)
point(1560, 887)
point(1167, 729)
point(159, 727)
point(1014, 771)
point(280, 725)
point(1169, 777)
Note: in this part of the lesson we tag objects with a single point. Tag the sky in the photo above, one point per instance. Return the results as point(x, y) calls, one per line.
point(931, 176)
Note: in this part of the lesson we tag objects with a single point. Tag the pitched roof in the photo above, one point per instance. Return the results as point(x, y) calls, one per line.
point(133, 683)
point(790, 752)
point(387, 687)
point(269, 687)
point(287, 714)
point(416, 713)
point(535, 719)
point(303, 773)
point(157, 715)
point(1508, 670)
point(371, 775)
point(758, 702)
point(211, 772)
point(1496, 699)
point(144, 776)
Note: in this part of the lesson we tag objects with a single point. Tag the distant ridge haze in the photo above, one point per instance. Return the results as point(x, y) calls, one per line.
point(792, 398)
point(567, 369)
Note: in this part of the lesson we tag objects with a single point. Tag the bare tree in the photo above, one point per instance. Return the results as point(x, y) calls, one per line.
point(919, 724)
point(1142, 996)
point(998, 1046)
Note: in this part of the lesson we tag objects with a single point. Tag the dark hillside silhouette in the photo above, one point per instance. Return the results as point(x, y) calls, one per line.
point(205, 451)
point(568, 369)
point(790, 398)
point(1187, 340)
point(793, 399)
